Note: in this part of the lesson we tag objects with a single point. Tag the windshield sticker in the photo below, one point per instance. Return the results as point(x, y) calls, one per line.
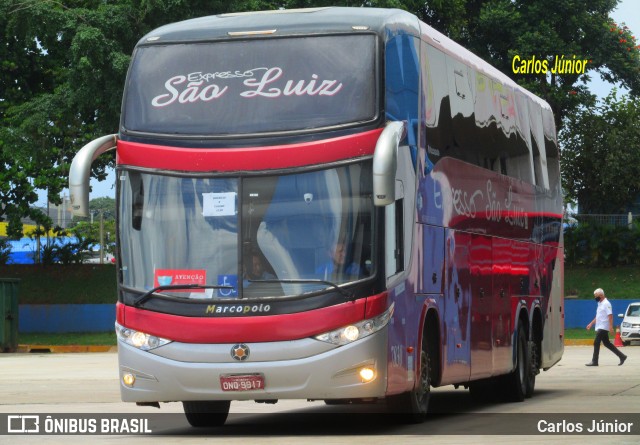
point(228, 280)
point(219, 204)
point(172, 277)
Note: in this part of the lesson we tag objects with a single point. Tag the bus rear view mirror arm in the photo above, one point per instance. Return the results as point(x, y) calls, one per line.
point(385, 163)
point(81, 169)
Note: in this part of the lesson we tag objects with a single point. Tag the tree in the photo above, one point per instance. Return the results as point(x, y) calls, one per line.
point(601, 155)
point(63, 66)
point(62, 71)
point(105, 205)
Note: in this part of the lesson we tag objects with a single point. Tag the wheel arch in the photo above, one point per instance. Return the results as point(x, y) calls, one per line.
point(521, 322)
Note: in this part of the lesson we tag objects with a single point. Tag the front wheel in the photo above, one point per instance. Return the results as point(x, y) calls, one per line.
point(207, 413)
point(413, 406)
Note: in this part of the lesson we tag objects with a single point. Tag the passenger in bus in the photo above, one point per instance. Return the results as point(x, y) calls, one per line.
point(604, 324)
point(337, 264)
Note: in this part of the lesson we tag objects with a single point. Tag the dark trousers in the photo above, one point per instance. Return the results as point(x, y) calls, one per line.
point(602, 336)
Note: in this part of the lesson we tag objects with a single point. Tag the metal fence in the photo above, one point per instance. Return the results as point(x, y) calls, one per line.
point(610, 220)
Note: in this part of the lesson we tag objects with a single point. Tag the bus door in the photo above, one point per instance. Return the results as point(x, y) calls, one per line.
point(455, 309)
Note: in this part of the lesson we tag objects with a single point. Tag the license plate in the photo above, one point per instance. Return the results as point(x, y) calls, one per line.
point(242, 382)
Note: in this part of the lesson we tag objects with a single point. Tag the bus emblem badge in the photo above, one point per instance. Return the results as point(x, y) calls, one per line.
point(240, 352)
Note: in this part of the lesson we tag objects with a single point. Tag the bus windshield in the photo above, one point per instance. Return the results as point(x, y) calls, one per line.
point(253, 236)
point(249, 87)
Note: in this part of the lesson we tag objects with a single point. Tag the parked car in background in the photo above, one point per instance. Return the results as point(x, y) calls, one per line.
point(630, 326)
point(92, 257)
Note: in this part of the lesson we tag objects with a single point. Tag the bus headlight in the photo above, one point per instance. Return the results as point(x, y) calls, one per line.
point(138, 339)
point(356, 331)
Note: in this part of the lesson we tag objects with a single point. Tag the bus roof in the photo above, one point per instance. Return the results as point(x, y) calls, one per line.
point(285, 22)
point(325, 20)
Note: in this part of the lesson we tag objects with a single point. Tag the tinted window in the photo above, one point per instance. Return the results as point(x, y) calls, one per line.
point(252, 86)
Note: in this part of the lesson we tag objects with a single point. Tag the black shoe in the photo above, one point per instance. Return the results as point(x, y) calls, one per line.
point(622, 360)
point(594, 364)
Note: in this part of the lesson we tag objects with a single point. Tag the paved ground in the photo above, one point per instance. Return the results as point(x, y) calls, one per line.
point(49, 383)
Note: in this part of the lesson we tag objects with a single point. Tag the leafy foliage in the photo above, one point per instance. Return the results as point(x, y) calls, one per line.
point(5, 251)
point(63, 65)
point(62, 72)
point(601, 155)
point(600, 245)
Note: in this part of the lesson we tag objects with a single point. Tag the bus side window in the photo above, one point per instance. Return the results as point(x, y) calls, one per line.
point(394, 241)
point(137, 201)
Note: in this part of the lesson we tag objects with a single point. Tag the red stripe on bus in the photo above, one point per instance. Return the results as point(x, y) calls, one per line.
point(249, 158)
point(216, 329)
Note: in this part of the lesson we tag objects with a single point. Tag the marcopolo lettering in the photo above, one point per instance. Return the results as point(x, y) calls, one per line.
point(237, 309)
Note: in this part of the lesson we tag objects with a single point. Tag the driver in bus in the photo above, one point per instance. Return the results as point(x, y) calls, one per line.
point(337, 264)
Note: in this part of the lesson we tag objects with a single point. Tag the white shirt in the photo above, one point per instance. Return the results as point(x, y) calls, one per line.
point(602, 315)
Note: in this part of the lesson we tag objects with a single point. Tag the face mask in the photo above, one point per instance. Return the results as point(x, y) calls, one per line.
point(597, 299)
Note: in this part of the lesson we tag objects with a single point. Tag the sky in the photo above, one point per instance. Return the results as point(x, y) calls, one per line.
point(627, 11)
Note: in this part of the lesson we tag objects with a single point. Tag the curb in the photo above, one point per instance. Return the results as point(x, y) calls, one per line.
point(66, 348)
point(578, 342)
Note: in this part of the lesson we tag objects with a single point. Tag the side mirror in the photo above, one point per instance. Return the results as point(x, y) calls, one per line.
point(385, 163)
point(80, 170)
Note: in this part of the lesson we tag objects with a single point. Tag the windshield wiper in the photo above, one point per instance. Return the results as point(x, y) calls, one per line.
point(348, 295)
point(147, 295)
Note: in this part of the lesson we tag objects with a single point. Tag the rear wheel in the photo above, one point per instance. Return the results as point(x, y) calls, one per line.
point(207, 413)
point(534, 369)
point(516, 381)
point(413, 406)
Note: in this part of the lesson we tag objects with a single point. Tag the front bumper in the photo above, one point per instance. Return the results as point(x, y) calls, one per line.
point(632, 333)
point(192, 371)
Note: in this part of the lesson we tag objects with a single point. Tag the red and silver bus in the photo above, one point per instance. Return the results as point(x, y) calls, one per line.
point(334, 204)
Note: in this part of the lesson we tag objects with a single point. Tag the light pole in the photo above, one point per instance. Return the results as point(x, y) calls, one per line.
point(101, 237)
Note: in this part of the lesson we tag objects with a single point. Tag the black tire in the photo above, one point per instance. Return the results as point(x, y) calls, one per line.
point(534, 369)
point(516, 381)
point(626, 343)
point(337, 402)
point(206, 414)
point(413, 406)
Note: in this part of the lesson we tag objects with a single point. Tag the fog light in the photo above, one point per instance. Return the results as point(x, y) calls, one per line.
point(367, 374)
point(128, 379)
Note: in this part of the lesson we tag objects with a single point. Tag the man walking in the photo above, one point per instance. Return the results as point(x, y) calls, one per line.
point(604, 324)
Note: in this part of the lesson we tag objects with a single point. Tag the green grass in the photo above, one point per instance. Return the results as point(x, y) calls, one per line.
point(579, 334)
point(82, 338)
point(618, 283)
